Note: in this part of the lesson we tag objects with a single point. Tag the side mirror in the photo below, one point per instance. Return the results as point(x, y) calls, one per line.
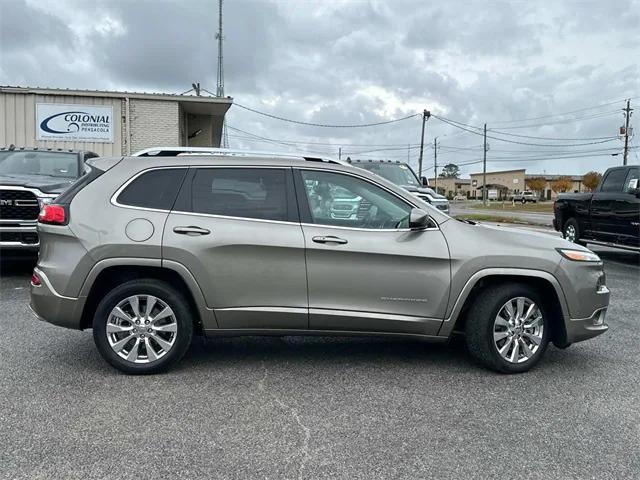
point(418, 219)
point(425, 182)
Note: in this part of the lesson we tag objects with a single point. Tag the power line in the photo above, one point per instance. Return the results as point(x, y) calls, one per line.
point(298, 122)
point(564, 121)
point(561, 114)
point(335, 144)
point(460, 126)
point(498, 132)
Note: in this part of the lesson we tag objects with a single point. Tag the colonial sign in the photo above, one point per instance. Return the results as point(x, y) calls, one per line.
point(74, 123)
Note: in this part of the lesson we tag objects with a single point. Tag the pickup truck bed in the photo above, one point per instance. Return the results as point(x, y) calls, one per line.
point(608, 216)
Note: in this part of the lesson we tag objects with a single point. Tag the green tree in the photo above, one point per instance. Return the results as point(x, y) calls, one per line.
point(450, 170)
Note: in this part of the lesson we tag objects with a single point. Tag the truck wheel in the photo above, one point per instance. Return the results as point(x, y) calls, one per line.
point(143, 326)
point(524, 200)
point(507, 328)
point(571, 232)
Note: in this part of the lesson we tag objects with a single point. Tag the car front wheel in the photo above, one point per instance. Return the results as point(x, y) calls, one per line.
point(143, 326)
point(507, 328)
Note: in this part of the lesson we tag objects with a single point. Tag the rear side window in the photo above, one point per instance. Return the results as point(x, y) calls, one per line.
point(614, 180)
point(156, 189)
point(260, 193)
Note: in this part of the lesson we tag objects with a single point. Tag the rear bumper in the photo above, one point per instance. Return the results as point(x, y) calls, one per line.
point(580, 329)
point(48, 305)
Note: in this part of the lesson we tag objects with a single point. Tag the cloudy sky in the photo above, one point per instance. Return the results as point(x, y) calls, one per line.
point(548, 77)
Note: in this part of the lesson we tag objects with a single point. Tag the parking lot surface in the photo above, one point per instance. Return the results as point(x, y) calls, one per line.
point(319, 407)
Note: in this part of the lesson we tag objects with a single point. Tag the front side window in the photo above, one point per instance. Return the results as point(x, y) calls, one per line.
point(336, 199)
point(259, 193)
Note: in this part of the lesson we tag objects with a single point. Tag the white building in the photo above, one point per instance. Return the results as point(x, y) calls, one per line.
point(108, 123)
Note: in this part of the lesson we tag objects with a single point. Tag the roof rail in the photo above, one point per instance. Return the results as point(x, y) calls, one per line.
point(227, 152)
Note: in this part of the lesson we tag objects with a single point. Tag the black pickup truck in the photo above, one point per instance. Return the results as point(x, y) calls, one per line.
point(29, 178)
point(609, 216)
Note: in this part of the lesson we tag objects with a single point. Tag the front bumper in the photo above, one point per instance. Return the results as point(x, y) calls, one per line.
point(48, 305)
point(19, 236)
point(579, 329)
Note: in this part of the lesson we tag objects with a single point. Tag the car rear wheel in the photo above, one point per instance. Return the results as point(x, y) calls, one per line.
point(507, 328)
point(143, 326)
point(571, 231)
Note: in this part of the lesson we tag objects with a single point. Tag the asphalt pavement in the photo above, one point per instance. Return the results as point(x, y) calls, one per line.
point(357, 408)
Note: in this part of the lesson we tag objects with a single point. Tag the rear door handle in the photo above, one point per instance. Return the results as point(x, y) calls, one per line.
point(191, 230)
point(330, 239)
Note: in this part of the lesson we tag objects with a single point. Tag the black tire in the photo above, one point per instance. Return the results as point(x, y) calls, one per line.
point(480, 327)
point(566, 231)
point(167, 294)
point(524, 201)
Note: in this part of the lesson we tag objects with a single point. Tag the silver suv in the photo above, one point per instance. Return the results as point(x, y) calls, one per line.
point(150, 251)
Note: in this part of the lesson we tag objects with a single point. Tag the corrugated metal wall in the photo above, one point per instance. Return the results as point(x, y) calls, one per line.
point(18, 122)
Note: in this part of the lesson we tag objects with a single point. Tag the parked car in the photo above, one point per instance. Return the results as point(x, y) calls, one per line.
point(526, 196)
point(29, 178)
point(248, 245)
point(403, 175)
point(609, 216)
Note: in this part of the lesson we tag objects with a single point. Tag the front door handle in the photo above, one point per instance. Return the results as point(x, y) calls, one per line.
point(330, 239)
point(191, 230)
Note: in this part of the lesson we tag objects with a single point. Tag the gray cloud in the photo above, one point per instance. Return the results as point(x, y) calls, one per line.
point(352, 62)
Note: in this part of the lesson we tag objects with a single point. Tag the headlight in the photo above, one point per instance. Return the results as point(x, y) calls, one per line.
point(578, 255)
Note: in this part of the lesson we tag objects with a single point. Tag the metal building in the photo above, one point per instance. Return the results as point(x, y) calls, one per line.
point(108, 123)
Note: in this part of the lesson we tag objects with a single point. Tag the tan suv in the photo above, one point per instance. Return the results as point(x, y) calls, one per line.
point(148, 251)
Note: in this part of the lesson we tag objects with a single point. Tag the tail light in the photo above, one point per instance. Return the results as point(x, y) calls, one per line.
point(53, 214)
point(35, 279)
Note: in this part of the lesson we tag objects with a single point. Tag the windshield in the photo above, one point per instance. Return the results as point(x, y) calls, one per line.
point(398, 173)
point(50, 164)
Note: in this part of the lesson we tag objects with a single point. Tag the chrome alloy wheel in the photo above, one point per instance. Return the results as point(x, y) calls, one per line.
point(518, 330)
point(570, 233)
point(141, 328)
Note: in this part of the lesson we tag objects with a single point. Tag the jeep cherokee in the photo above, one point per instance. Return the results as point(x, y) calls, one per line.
point(149, 251)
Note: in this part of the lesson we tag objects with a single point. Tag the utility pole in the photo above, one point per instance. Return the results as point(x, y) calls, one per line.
point(627, 113)
point(340, 153)
point(425, 116)
point(484, 168)
point(435, 163)
point(224, 141)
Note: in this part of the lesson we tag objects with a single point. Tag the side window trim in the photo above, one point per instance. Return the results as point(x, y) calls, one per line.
point(184, 200)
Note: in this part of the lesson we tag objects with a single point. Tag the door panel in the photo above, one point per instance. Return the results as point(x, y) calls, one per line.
point(366, 270)
point(603, 219)
point(377, 281)
point(251, 270)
